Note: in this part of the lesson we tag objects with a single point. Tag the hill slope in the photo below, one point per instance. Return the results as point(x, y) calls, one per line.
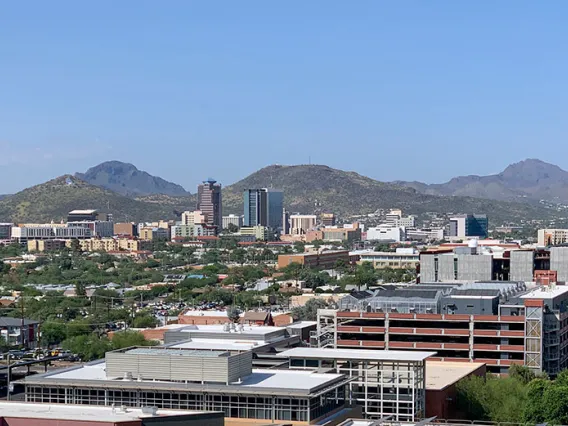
point(126, 179)
point(528, 180)
point(310, 188)
point(54, 199)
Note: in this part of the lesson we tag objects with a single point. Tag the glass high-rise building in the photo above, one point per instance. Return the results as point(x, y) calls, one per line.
point(263, 207)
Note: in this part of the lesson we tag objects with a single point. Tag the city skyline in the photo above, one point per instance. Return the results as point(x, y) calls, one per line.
point(85, 84)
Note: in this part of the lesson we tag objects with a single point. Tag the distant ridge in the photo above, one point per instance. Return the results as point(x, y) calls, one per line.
point(126, 179)
point(319, 188)
point(528, 180)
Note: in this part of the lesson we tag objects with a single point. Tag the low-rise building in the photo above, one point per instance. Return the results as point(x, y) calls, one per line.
point(400, 259)
point(27, 414)
point(46, 245)
point(386, 233)
point(232, 219)
point(261, 233)
point(125, 229)
point(18, 331)
point(324, 259)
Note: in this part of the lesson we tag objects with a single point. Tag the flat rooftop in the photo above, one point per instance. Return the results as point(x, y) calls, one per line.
point(219, 328)
point(89, 211)
point(219, 344)
point(441, 374)
point(356, 354)
point(180, 352)
point(261, 380)
point(546, 292)
point(86, 413)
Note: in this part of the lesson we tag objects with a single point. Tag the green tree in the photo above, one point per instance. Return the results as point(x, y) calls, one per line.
point(555, 401)
point(239, 255)
point(129, 338)
point(309, 312)
point(365, 275)
point(521, 373)
point(80, 290)
point(534, 410)
point(232, 228)
point(89, 346)
point(53, 333)
point(233, 314)
point(144, 320)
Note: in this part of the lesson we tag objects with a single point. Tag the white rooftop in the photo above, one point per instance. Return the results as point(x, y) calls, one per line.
point(91, 211)
point(441, 374)
point(198, 313)
point(224, 344)
point(546, 292)
point(219, 328)
point(85, 413)
point(295, 379)
point(260, 378)
point(302, 324)
point(356, 354)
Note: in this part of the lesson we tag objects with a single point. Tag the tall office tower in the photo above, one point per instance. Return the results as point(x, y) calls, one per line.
point(210, 203)
point(328, 219)
point(285, 222)
point(263, 207)
point(469, 225)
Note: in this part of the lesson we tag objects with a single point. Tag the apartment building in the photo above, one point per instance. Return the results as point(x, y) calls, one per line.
point(552, 237)
point(112, 244)
point(183, 232)
point(18, 331)
point(234, 220)
point(46, 245)
point(196, 217)
point(154, 234)
point(300, 224)
point(496, 323)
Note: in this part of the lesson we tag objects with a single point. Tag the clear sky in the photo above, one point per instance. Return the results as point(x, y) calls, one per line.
point(410, 90)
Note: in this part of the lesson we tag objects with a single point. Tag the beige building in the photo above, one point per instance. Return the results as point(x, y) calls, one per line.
point(552, 237)
point(112, 244)
point(193, 218)
point(259, 232)
point(154, 233)
point(301, 223)
point(402, 259)
point(45, 245)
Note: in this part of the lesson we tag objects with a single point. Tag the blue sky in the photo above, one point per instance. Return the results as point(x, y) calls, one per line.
point(410, 90)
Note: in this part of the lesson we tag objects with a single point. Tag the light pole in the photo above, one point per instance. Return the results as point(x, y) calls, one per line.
point(8, 380)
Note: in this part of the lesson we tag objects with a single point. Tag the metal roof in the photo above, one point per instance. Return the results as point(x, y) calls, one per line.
point(410, 294)
point(196, 353)
point(15, 322)
point(475, 292)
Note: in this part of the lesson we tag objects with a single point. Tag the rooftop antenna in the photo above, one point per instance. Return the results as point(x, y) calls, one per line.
point(310, 160)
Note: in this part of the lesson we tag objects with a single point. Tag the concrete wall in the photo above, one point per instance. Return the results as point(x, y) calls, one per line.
point(427, 274)
point(559, 262)
point(446, 268)
point(522, 265)
point(221, 369)
point(475, 267)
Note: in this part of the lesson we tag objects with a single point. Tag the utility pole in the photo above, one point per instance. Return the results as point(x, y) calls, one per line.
point(23, 322)
point(8, 380)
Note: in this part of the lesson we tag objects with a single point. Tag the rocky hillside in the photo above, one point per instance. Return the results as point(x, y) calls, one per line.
point(309, 188)
point(54, 199)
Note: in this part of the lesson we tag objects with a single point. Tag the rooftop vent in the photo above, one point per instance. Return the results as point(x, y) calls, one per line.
point(151, 411)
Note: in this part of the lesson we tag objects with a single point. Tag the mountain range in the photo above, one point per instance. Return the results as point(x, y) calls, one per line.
point(528, 180)
point(134, 195)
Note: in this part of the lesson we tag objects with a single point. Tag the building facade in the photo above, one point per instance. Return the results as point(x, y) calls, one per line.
point(210, 202)
point(232, 219)
point(300, 224)
point(469, 225)
point(552, 237)
point(263, 207)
